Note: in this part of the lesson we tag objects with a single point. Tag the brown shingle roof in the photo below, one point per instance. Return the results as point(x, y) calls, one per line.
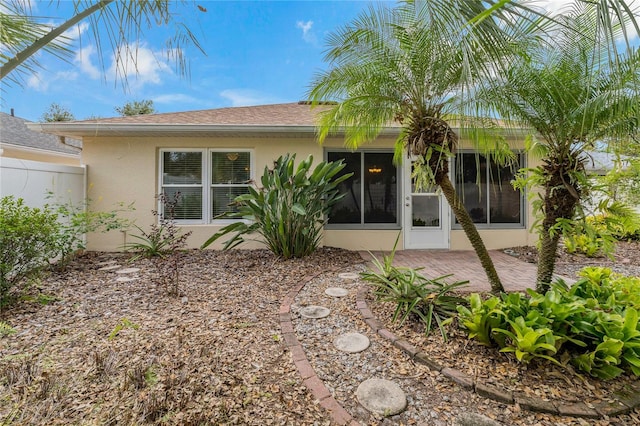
point(291, 114)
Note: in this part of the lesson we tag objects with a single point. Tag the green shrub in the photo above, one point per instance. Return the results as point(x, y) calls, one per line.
point(76, 220)
point(28, 239)
point(416, 296)
point(289, 210)
point(593, 324)
point(597, 234)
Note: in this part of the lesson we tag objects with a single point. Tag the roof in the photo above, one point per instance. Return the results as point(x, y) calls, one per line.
point(290, 119)
point(290, 114)
point(14, 131)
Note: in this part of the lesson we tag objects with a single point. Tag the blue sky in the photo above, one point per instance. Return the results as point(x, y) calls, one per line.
point(256, 52)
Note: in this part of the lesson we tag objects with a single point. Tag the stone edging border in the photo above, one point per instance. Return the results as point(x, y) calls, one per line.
point(309, 377)
point(621, 402)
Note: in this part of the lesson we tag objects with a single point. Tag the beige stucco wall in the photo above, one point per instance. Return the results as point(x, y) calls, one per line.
point(38, 155)
point(125, 170)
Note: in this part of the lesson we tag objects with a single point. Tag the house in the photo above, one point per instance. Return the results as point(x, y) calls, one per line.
point(39, 168)
point(17, 141)
point(210, 156)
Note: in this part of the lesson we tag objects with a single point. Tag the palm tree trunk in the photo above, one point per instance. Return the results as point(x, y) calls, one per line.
point(546, 259)
point(471, 231)
point(560, 200)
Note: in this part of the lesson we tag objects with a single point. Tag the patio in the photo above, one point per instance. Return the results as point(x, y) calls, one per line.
point(464, 265)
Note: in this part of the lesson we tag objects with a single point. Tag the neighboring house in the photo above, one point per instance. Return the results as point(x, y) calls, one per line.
point(211, 156)
point(17, 141)
point(39, 168)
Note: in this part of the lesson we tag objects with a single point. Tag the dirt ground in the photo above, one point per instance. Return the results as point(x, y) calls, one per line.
point(93, 346)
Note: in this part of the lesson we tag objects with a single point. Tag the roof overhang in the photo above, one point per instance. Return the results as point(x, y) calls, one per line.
point(33, 150)
point(79, 130)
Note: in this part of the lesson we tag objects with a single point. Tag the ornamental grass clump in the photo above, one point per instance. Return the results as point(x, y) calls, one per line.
point(593, 324)
point(290, 209)
point(416, 297)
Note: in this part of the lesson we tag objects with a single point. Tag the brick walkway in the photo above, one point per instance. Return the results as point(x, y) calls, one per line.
point(464, 265)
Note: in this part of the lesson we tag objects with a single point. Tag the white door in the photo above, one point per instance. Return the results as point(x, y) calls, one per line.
point(426, 215)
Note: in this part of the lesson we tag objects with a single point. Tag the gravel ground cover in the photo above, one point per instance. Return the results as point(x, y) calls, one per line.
point(90, 349)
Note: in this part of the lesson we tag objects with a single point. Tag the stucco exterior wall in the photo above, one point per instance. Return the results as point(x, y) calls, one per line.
point(125, 170)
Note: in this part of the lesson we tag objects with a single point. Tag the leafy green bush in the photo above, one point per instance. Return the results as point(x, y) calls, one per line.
point(289, 210)
point(593, 324)
point(28, 239)
point(416, 296)
point(76, 220)
point(596, 234)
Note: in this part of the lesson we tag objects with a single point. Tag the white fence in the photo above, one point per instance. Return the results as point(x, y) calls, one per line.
point(39, 183)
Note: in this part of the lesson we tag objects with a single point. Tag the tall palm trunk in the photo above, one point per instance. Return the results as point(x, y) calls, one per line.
point(560, 201)
point(546, 258)
point(442, 179)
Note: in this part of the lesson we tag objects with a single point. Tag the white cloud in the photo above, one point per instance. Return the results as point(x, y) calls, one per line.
point(76, 31)
point(40, 83)
point(307, 34)
point(37, 83)
point(138, 65)
point(83, 59)
point(247, 97)
point(553, 6)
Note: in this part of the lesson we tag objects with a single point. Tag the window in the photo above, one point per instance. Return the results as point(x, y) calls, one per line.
point(228, 174)
point(487, 192)
point(371, 194)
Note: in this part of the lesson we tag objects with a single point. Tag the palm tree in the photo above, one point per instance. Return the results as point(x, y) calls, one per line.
point(573, 94)
point(413, 65)
point(23, 35)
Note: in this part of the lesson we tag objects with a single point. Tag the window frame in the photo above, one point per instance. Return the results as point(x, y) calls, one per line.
point(206, 184)
point(362, 225)
point(488, 225)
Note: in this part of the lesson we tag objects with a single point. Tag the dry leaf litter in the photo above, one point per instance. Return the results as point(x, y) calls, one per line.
point(113, 351)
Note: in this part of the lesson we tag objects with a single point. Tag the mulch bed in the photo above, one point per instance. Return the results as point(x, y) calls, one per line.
point(91, 350)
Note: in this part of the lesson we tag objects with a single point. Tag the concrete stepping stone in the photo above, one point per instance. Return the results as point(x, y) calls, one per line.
point(351, 342)
point(336, 292)
point(314, 312)
point(348, 276)
point(382, 397)
point(110, 267)
point(127, 270)
point(125, 279)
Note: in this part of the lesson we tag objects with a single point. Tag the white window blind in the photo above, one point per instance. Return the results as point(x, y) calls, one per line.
point(182, 180)
point(230, 177)
point(207, 180)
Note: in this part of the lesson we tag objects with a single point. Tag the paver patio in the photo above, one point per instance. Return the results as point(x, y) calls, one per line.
point(464, 265)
